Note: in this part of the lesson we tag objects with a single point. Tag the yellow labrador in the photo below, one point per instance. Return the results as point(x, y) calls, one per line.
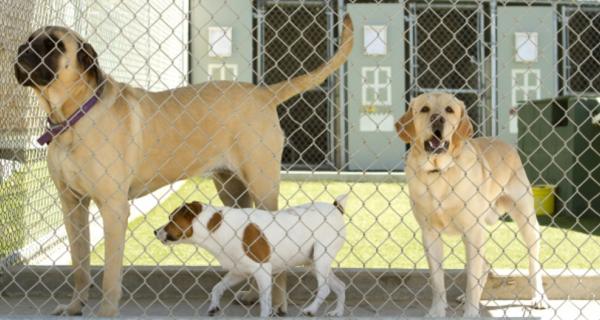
point(458, 184)
point(126, 142)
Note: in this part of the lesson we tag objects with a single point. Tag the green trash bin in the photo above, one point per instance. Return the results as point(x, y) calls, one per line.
point(560, 146)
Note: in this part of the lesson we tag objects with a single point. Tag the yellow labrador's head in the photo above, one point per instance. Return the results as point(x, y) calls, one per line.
point(57, 58)
point(180, 223)
point(435, 122)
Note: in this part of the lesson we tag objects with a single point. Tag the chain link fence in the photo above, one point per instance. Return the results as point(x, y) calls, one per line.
point(204, 106)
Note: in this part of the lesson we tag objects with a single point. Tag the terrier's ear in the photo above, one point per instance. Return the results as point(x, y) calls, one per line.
point(195, 207)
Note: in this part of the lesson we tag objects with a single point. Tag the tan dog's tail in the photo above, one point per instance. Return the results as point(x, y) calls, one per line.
point(289, 88)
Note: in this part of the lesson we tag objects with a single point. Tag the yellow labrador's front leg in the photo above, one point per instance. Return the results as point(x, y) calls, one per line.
point(476, 270)
point(114, 212)
point(434, 250)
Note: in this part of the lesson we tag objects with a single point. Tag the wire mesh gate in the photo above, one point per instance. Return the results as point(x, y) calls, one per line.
point(506, 69)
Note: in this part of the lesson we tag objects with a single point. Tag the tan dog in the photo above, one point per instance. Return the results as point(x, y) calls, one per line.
point(134, 141)
point(459, 185)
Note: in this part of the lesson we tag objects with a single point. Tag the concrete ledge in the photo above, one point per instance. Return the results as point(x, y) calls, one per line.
point(346, 176)
point(362, 284)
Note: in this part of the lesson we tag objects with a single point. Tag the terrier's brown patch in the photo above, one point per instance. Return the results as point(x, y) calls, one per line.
point(255, 244)
point(215, 221)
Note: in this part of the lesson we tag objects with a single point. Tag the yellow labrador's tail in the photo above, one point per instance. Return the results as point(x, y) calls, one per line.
point(340, 202)
point(289, 88)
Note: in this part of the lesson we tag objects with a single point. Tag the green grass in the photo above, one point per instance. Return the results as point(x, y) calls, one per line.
point(28, 207)
point(382, 232)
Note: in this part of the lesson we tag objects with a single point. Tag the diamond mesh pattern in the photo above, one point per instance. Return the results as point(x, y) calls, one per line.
point(389, 265)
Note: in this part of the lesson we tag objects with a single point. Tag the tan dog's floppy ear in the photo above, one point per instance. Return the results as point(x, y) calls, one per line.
point(465, 128)
point(88, 60)
point(405, 126)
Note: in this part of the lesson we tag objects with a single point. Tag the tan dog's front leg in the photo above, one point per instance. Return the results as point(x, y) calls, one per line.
point(76, 220)
point(114, 216)
point(476, 270)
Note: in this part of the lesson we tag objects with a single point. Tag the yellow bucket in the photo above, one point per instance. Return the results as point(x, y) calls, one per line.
point(543, 196)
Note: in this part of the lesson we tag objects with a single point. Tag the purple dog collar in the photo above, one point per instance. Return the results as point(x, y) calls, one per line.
point(54, 130)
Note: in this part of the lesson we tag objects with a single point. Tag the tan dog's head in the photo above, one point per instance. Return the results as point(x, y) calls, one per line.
point(435, 123)
point(56, 57)
point(179, 227)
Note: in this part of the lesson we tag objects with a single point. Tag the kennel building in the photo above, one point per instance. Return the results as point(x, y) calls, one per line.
point(494, 55)
point(491, 57)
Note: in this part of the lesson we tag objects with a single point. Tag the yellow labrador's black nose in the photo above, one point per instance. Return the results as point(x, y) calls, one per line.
point(437, 118)
point(437, 124)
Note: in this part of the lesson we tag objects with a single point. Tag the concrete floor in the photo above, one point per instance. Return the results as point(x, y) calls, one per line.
point(40, 307)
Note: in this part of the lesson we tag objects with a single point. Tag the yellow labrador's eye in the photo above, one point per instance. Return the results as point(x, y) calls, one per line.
point(449, 109)
point(425, 109)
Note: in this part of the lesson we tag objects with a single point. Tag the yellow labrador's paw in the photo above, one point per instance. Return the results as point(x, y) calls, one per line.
point(471, 314)
point(74, 308)
point(437, 311)
point(246, 297)
point(108, 310)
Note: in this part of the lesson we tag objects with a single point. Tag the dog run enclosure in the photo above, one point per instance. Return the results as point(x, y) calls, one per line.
point(526, 70)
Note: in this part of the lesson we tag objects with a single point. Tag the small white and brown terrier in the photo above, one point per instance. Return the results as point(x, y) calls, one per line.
point(258, 243)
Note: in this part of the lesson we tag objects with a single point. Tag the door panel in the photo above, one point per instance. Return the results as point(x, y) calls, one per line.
point(376, 87)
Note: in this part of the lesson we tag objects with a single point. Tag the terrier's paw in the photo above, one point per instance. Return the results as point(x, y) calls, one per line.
point(540, 303)
point(309, 312)
point(335, 313)
point(246, 298)
point(212, 311)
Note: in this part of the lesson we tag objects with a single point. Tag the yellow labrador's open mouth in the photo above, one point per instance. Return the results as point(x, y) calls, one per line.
point(435, 145)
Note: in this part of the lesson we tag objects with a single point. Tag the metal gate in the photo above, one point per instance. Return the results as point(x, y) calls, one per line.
point(447, 50)
point(292, 38)
point(579, 35)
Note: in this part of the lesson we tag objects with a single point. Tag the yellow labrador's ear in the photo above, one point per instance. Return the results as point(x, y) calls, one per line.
point(465, 128)
point(405, 126)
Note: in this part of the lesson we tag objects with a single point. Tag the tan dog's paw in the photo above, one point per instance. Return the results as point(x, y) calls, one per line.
point(74, 308)
point(281, 311)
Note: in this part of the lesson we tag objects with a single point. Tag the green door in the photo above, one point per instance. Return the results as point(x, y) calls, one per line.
point(526, 62)
point(376, 89)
